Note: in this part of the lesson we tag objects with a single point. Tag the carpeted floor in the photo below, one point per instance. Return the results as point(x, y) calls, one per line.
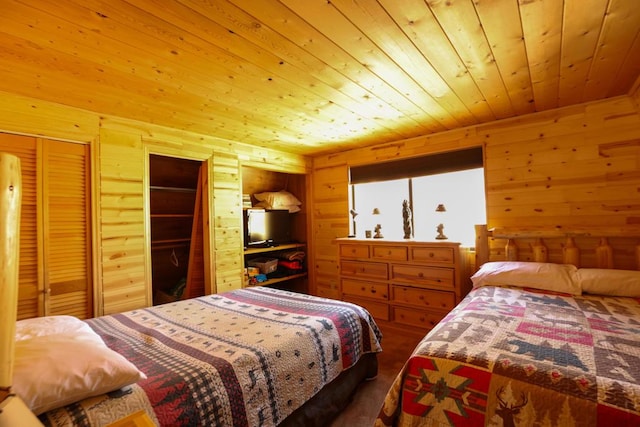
point(364, 408)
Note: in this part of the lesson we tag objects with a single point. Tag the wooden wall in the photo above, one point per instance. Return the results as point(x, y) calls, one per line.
point(121, 230)
point(575, 166)
point(572, 166)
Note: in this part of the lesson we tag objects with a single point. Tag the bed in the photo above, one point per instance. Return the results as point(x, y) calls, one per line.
point(549, 335)
point(251, 357)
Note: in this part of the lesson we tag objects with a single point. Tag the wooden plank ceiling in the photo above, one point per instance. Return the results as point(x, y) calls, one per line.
point(316, 76)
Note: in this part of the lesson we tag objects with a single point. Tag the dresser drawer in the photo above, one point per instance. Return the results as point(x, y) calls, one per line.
point(431, 254)
point(414, 317)
point(390, 253)
point(373, 270)
point(432, 276)
point(354, 251)
point(378, 310)
point(423, 298)
point(361, 288)
point(328, 292)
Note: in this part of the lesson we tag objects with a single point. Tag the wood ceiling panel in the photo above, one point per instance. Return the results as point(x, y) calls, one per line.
point(582, 23)
point(313, 76)
point(462, 25)
point(500, 21)
point(612, 47)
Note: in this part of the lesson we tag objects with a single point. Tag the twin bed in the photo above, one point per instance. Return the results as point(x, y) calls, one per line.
point(536, 342)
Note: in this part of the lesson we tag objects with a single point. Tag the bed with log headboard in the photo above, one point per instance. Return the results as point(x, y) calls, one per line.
point(549, 335)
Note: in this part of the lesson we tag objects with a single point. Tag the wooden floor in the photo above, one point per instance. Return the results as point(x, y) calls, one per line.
point(362, 411)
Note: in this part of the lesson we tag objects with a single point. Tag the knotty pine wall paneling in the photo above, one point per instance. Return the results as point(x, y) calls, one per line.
point(570, 167)
point(228, 245)
point(126, 275)
point(120, 200)
point(329, 202)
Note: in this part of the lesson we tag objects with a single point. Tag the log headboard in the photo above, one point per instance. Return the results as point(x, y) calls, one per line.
point(598, 247)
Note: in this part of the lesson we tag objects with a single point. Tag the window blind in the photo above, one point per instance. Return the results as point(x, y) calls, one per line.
point(433, 164)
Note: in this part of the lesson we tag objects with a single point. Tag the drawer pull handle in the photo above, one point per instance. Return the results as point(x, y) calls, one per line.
point(421, 275)
point(431, 254)
point(373, 291)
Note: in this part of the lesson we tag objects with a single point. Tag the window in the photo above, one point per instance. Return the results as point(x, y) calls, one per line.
point(459, 187)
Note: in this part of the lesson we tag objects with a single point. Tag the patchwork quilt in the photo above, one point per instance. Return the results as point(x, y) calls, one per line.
point(514, 357)
point(243, 358)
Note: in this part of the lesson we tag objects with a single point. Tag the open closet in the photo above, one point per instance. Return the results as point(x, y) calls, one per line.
point(176, 211)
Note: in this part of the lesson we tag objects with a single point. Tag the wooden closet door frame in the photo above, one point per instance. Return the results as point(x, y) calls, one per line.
point(206, 157)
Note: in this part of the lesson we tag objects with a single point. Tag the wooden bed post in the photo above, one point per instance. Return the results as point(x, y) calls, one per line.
point(13, 410)
point(10, 198)
point(482, 245)
point(540, 253)
point(571, 253)
point(604, 254)
point(511, 250)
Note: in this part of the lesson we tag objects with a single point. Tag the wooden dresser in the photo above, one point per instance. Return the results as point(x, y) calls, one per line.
point(407, 285)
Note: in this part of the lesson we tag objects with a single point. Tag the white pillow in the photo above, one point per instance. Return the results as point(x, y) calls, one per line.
point(278, 199)
point(621, 283)
point(537, 275)
point(290, 208)
point(56, 367)
point(51, 325)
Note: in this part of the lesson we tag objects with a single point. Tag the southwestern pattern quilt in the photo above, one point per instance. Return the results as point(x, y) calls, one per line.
point(514, 357)
point(243, 358)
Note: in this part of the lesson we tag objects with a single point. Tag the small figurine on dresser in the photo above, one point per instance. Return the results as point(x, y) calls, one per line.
point(378, 231)
point(406, 219)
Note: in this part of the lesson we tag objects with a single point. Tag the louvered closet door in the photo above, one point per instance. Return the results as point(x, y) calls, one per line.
point(55, 244)
point(66, 225)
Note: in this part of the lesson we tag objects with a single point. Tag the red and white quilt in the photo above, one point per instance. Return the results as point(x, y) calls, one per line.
point(514, 357)
point(243, 358)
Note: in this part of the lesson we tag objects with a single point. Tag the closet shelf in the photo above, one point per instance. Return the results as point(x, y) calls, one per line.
point(176, 189)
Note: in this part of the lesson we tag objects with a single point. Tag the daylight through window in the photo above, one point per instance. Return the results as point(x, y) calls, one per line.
point(460, 191)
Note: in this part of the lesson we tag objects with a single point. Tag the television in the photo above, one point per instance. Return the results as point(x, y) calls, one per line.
point(266, 227)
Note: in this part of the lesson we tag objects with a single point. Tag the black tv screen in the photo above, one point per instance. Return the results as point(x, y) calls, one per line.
point(266, 227)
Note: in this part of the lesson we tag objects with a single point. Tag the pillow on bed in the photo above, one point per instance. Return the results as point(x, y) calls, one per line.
point(537, 275)
point(621, 283)
point(60, 367)
point(51, 325)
